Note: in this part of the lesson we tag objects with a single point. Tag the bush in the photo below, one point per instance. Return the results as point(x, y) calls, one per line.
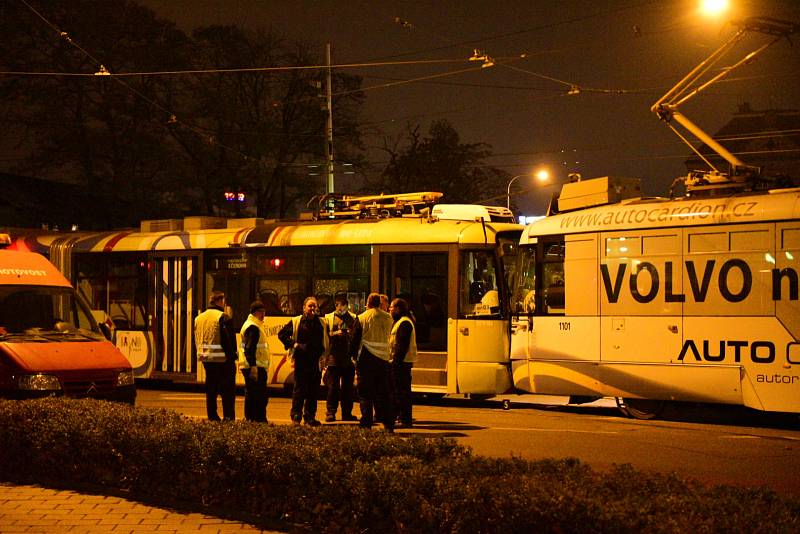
point(340, 479)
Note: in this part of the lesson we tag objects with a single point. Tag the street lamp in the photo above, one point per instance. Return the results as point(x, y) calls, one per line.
point(713, 8)
point(543, 175)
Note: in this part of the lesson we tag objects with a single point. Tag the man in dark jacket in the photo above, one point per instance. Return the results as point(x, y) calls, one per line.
point(305, 335)
point(340, 371)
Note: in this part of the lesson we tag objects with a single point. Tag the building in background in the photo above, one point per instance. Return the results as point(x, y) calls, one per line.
point(769, 139)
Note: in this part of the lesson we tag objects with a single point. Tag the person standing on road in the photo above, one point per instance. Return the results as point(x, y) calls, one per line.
point(254, 363)
point(215, 341)
point(307, 338)
point(340, 371)
point(403, 354)
point(371, 347)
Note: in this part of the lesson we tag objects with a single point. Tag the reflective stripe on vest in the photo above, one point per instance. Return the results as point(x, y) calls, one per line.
point(207, 336)
point(262, 349)
point(411, 355)
point(376, 327)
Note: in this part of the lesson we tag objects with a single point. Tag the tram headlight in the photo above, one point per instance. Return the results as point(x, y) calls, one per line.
point(125, 378)
point(39, 382)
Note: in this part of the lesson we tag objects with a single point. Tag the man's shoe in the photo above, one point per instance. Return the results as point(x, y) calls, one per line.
point(403, 424)
point(313, 422)
point(388, 429)
point(295, 422)
point(349, 418)
point(330, 418)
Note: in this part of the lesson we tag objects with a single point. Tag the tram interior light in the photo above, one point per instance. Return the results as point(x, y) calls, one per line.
point(277, 263)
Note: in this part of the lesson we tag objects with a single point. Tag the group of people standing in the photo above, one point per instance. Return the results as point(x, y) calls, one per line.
point(378, 346)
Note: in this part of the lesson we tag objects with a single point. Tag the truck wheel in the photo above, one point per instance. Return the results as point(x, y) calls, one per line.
point(644, 409)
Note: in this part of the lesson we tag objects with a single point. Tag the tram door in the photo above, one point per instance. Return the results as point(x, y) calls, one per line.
point(419, 274)
point(176, 284)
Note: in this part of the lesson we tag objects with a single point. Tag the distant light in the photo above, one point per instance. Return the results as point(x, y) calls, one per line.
point(713, 8)
point(276, 263)
point(230, 196)
point(528, 219)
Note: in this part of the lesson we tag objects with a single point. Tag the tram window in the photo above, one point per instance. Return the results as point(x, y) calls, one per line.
point(553, 278)
point(116, 285)
point(341, 264)
point(281, 296)
point(280, 263)
point(479, 295)
point(341, 270)
point(326, 289)
point(524, 296)
point(623, 247)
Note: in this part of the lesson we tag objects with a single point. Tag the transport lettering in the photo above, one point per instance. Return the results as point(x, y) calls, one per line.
point(661, 214)
point(733, 280)
point(722, 350)
point(23, 272)
point(777, 379)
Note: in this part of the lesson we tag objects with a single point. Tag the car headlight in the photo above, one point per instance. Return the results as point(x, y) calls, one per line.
point(39, 382)
point(125, 378)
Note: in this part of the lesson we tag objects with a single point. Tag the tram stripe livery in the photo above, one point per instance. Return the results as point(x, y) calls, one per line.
point(451, 264)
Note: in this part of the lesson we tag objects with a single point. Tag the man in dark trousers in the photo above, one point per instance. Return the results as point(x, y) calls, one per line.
point(215, 341)
point(403, 354)
point(340, 371)
point(371, 347)
point(306, 336)
point(255, 363)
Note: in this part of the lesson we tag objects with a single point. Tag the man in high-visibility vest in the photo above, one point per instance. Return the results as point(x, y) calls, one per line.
point(403, 354)
point(371, 348)
point(254, 363)
point(215, 341)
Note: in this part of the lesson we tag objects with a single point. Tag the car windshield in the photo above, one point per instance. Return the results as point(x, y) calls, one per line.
point(45, 313)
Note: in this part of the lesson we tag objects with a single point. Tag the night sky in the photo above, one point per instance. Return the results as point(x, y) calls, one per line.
point(630, 52)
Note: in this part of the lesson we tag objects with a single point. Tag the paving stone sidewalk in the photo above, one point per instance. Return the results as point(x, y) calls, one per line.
point(44, 510)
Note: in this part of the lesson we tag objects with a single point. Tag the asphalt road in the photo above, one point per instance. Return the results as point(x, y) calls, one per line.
point(712, 444)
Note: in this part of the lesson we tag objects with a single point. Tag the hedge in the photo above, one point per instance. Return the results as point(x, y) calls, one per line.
point(343, 479)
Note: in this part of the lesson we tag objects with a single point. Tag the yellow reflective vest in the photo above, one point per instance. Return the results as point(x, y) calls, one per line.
point(411, 355)
point(262, 349)
point(376, 327)
point(207, 336)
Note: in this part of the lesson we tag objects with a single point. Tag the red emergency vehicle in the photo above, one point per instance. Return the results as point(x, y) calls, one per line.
point(50, 343)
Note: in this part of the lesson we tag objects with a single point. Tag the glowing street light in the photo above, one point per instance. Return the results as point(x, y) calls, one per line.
point(713, 8)
point(542, 175)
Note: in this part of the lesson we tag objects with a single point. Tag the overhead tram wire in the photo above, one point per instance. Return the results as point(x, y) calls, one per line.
point(196, 130)
point(64, 35)
point(473, 42)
